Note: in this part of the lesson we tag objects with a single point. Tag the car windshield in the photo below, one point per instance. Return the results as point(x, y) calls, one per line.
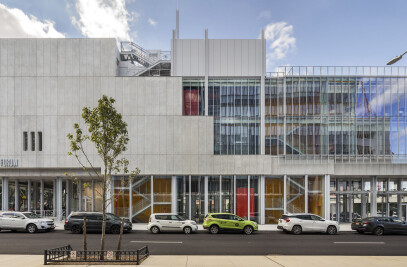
point(31, 215)
point(113, 217)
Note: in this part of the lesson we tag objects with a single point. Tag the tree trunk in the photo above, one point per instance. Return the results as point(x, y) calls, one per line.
point(119, 243)
point(85, 243)
point(102, 240)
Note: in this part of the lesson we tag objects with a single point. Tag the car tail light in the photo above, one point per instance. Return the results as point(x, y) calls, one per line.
point(207, 219)
point(287, 220)
point(66, 222)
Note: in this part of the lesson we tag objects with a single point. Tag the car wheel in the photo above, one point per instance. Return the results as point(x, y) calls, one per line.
point(378, 231)
point(187, 230)
point(331, 230)
point(296, 230)
point(248, 230)
point(76, 229)
point(115, 229)
point(214, 229)
point(155, 230)
point(360, 231)
point(32, 228)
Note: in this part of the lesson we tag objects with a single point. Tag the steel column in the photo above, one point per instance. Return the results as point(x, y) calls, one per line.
point(16, 196)
point(59, 196)
point(373, 195)
point(206, 195)
point(29, 195)
point(174, 194)
point(4, 188)
point(42, 197)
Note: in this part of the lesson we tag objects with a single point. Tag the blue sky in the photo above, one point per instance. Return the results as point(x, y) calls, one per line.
point(311, 32)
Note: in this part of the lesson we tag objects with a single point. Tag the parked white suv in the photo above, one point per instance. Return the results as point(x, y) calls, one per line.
point(297, 223)
point(161, 222)
point(24, 221)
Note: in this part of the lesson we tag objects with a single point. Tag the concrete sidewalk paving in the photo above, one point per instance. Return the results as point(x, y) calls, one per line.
point(264, 227)
point(226, 261)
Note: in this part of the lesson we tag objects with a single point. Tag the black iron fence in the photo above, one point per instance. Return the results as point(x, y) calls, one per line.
point(67, 255)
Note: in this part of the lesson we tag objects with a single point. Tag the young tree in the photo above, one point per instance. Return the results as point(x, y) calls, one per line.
point(107, 131)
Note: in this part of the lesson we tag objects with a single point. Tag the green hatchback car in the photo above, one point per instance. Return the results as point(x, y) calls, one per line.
point(216, 222)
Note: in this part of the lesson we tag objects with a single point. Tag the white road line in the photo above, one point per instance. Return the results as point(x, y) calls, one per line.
point(158, 242)
point(373, 243)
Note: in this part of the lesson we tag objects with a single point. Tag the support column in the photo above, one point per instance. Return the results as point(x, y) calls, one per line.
point(350, 205)
point(206, 73)
point(152, 194)
point(29, 195)
point(189, 199)
point(373, 195)
point(4, 200)
point(174, 194)
point(234, 194)
point(54, 198)
point(16, 196)
point(80, 195)
point(68, 197)
point(399, 198)
point(306, 193)
point(130, 200)
point(206, 197)
point(35, 196)
point(248, 197)
point(262, 200)
point(338, 198)
point(327, 197)
point(263, 95)
point(58, 196)
point(220, 194)
point(93, 195)
point(42, 197)
point(285, 194)
point(363, 199)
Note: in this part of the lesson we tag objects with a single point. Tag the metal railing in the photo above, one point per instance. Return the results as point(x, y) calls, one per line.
point(66, 254)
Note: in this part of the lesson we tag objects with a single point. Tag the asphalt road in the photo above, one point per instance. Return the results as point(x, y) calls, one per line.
point(203, 243)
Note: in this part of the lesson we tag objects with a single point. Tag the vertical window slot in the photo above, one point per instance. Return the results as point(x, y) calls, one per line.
point(39, 141)
point(25, 141)
point(32, 141)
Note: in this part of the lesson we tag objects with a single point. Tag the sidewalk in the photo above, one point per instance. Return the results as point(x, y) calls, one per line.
point(226, 261)
point(265, 227)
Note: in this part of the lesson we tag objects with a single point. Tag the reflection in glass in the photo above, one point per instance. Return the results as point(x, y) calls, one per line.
point(295, 188)
point(274, 199)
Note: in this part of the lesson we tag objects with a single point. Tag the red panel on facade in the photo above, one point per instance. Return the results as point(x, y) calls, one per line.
point(241, 202)
point(191, 102)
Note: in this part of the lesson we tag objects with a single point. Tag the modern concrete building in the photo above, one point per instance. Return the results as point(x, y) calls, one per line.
point(209, 128)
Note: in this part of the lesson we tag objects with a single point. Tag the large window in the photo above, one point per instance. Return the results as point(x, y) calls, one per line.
point(274, 199)
point(193, 97)
point(351, 117)
point(197, 198)
point(295, 194)
point(316, 195)
point(213, 194)
point(235, 106)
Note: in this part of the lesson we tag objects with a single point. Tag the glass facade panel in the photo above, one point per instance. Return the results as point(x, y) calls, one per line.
point(141, 198)
point(235, 106)
point(316, 195)
point(228, 194)
point(274, 199)
point(213, 194)
point(183, 196)
point(356, 118)
point(242, 196)
point(193, 97)
point(295, 188)
point(197, 198)
point(254, 199)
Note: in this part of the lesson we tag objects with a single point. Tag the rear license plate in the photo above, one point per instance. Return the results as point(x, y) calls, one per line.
point(357, 223)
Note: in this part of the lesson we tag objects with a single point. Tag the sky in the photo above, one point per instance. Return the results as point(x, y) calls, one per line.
point(298, 32)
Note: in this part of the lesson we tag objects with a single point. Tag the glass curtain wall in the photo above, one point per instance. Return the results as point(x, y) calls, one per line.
point(242, 196)
point(193, 97)
point(316, 195)
point(228, 194)
point(183, 196)
point(295, 188)
point(345, 117)
point(141, 198)
point(254, 198)
point(274, 199)
point(235, 106)
point(213, 194)
point(162, 194)
point(197, 198)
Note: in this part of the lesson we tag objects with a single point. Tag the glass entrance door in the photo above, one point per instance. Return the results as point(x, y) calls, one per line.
point(349, 206)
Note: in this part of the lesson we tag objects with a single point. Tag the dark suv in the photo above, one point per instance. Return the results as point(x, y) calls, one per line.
point(379, 225)
point(74, 223)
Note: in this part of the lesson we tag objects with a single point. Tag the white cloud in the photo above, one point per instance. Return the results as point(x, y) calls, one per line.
point(15, 23)
point(152, 22)
point(281, 38)
point(104, 18)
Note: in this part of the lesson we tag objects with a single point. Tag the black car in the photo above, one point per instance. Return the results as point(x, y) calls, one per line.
point(379, 225)
point(74, 223)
